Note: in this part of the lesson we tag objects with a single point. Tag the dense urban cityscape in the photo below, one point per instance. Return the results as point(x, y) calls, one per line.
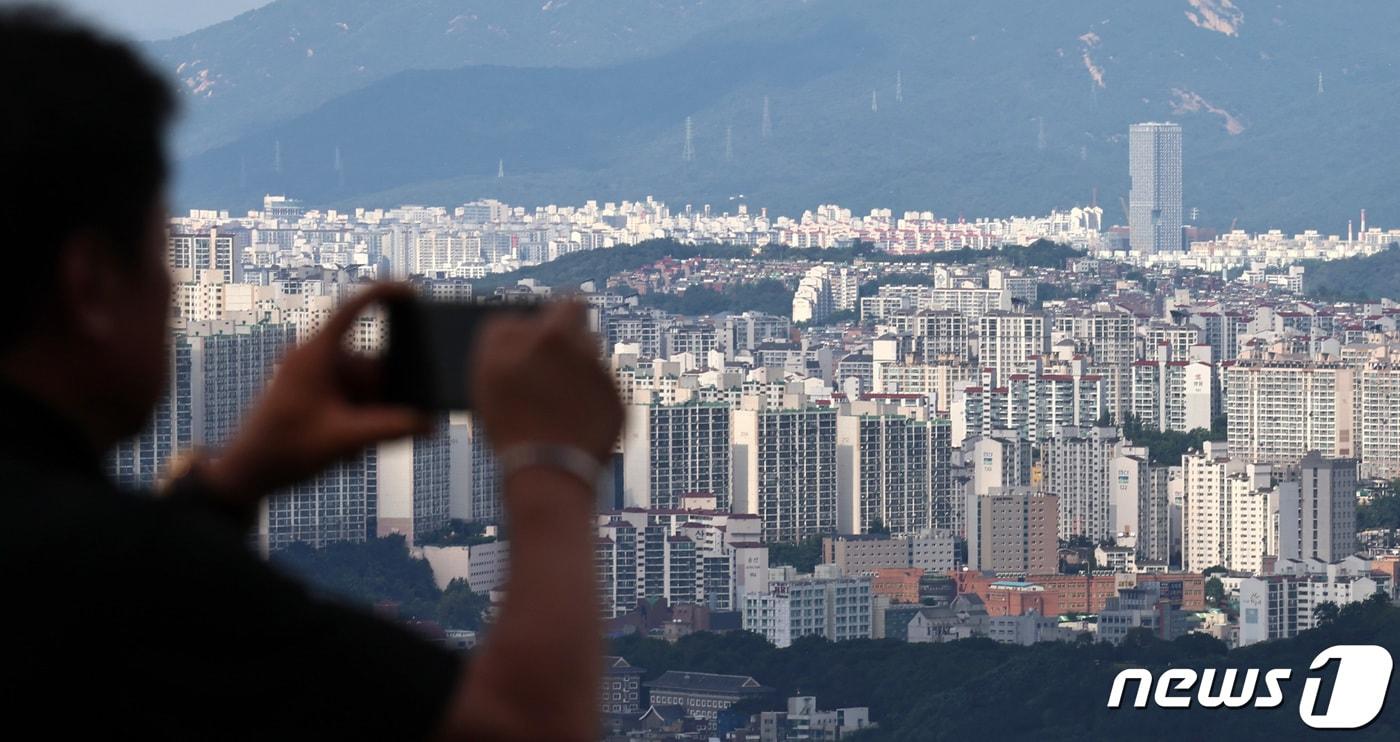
point(1028, 429)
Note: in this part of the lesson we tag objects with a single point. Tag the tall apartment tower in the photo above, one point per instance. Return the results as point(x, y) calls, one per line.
point(1013, 530)
point(893, 469)
point(784, 470)
point(413, 484)
point(669, 451)
point(1007, 342)
point(1110, 339)
point(1317, 519)
point(1228, 509)
point(1154, 203)
point(1078, 463)
point(217, 369)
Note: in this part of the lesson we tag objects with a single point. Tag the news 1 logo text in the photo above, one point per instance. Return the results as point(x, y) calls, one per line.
point(1359, 686)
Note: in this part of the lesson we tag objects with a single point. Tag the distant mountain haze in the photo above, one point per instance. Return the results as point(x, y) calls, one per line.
point(1012, 107)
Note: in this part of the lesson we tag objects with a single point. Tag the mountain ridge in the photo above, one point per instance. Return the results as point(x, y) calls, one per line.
point(1015, 109)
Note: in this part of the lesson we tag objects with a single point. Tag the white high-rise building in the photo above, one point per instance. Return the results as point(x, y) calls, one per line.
point(1035, 404)
point(1138, 509)
point(826, 605)
point(1380, 420)
point(1279, 410)
point(1078, 462)
point(814, 301)
point(669, 451)
point(413, 480)
point(1229, 510)
point(893, 467)
point(694, 554)
point(1154, 202)
point(942, 335)
point(1281, 605)
point(1013, 530)
point(1110, 339)
point(1173, 395)
point(785, 471)
point(1008, 342)
point(1317, 517)
point(214, 249)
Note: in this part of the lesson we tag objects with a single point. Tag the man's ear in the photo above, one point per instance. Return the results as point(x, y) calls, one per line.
point(87, 286)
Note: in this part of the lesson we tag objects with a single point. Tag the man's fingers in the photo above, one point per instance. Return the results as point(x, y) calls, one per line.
point(368, 425)
point(344, 317)
point(570, 315)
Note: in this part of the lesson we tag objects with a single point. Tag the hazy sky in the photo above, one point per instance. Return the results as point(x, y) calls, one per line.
point(155, 19)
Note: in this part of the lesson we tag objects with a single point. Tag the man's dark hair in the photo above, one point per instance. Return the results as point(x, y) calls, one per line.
point(82, 126)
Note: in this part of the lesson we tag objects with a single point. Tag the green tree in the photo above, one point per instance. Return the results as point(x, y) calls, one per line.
point(1326, 612)
point(378, 570)
point(460, 608)
point(804, 555)
point(1215, 592)
point(1381, 511)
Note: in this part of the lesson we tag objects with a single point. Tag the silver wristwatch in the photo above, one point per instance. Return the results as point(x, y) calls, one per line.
point(571, 460)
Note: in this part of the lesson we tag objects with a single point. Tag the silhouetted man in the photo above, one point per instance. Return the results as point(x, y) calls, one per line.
point(147, 617)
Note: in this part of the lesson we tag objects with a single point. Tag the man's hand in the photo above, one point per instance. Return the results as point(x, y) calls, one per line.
point(320, 408)
point(539, 380)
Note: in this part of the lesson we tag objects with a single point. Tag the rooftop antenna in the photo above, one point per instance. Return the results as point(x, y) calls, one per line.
point(729, 144)
point(767, 119)
point(874, 102)
point(688, 154)
point(899, 86)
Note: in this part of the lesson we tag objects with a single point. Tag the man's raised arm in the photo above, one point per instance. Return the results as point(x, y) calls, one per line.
point(552, 413)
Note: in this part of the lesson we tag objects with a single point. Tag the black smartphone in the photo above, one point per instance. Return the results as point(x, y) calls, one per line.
point(430, 348)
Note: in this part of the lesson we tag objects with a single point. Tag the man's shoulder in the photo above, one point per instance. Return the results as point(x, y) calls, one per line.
point(45, 502)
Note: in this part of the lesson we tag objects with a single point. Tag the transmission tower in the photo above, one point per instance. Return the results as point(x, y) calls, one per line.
point(729, 144)
point(899, 86)
point(767, 119)
point(688, 154)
